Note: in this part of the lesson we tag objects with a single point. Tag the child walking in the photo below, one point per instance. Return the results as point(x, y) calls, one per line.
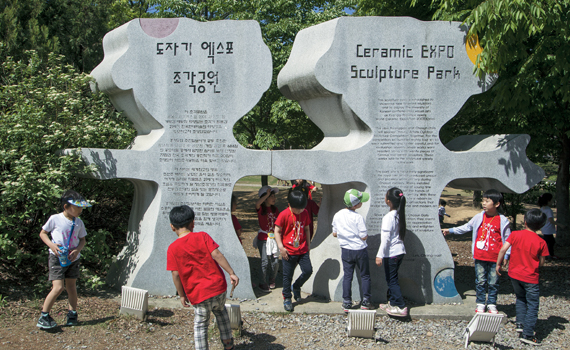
point(350, 229)
point(291, 234)
point(548, 230)
point(528, 252)
point(441, 211)
point(67, 240)
point(392, 250)
point(490, 231)
point(195, 261)
point(267, 213)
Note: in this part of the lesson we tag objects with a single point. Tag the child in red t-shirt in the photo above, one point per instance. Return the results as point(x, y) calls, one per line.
point(195, 261)
point(267, 213)
point(291, 234)
point(490, 230)
point(528, 252)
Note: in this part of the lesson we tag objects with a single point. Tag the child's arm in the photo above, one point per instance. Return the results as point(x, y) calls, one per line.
point(502, 253)
point(73, 254)
point(459, 230)
point(180, 289)
point(541, 260)
point(221, 260)
point(334, 234)
point(284, 253)
point(45, 238)
point(262, 199)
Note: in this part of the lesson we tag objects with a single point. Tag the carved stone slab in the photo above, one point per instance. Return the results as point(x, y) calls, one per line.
point(183, 84)
point(381, 88)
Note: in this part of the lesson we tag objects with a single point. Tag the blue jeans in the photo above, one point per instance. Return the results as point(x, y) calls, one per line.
point(485, 274)
point(350, 259)
point(527, 305)
point(289, 266)
point(391, 266)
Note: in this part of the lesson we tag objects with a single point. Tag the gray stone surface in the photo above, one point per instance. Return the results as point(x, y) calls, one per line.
point(380, 89)
point(183, 84)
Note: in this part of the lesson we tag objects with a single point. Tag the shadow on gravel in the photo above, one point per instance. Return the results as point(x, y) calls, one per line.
point(548, 325)
point(97, 321)
point(261, 341)
point(160, 313)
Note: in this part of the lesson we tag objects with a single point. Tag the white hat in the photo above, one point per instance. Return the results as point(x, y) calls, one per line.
point(264, 189)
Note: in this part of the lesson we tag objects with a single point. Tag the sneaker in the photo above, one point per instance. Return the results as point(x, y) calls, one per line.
point(365, 305)
point(264, 287)
point(46, 322)
point(492, 309)
point(384, 307)
point(297, 293)
point(272, 284)
point(346, 306)
point(71, 318)
point(288, 305)
point(396, 311)
point(519, 328)
point(529, 340)
point(480, 308)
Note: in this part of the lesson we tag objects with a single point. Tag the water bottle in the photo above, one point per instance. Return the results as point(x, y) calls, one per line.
point(63, 258)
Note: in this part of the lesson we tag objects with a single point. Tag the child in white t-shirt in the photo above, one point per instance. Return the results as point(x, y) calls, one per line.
point(350, 229)
point(67, 240)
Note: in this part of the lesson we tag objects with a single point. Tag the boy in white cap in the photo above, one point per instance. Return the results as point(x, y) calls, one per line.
point(350, 229)
point(67, 240)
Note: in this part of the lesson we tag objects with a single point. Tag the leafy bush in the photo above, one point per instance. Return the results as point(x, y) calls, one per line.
point(45, 107)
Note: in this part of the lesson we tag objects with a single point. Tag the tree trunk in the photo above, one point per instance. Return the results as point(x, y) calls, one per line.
point(477, 198)
point(264, 180)
point(562, 194)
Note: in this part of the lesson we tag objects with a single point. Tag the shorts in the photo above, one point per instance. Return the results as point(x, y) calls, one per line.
point(57, 272)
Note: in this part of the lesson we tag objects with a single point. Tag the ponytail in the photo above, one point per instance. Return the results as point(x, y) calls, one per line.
point(398, 200)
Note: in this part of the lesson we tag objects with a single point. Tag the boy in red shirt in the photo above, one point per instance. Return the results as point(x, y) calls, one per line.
point(195, 261)
point(528, 252)
point(490, 231)
point(291, 234)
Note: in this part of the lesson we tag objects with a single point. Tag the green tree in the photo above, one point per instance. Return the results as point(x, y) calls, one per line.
point(45, 107)
point(73, 28)
point(527, 43)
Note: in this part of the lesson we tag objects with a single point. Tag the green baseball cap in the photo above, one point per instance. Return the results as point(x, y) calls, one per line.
point(352, 197)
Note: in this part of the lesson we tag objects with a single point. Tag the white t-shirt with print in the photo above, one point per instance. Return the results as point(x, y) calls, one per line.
point(59, 227)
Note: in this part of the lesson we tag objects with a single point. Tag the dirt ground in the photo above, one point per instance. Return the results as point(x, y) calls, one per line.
point(101, 327)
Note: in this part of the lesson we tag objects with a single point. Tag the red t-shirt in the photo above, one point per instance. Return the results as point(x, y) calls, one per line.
point(526, 249)
point(266, 222)
point(237, 226)
point(293, 233)
point(488, 242)
point(201, 276)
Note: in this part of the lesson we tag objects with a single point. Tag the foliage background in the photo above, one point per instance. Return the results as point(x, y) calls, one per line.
point(46, 104)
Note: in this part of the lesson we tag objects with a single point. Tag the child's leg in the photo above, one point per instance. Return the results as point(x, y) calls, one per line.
point(71, 287)
point(288, 270)
point(306, 270)
point(56, 289)
point(348, 268)
point(493, 282)
point(364, 267)
point(521, 304)
point(223, 320)
point(391, 269)
point(480, 281)
point(201, 322)
point(274, 267)
point(532, 302)
point(261, 246)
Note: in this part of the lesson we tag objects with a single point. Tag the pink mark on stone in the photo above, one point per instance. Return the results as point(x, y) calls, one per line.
point(158, 27)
